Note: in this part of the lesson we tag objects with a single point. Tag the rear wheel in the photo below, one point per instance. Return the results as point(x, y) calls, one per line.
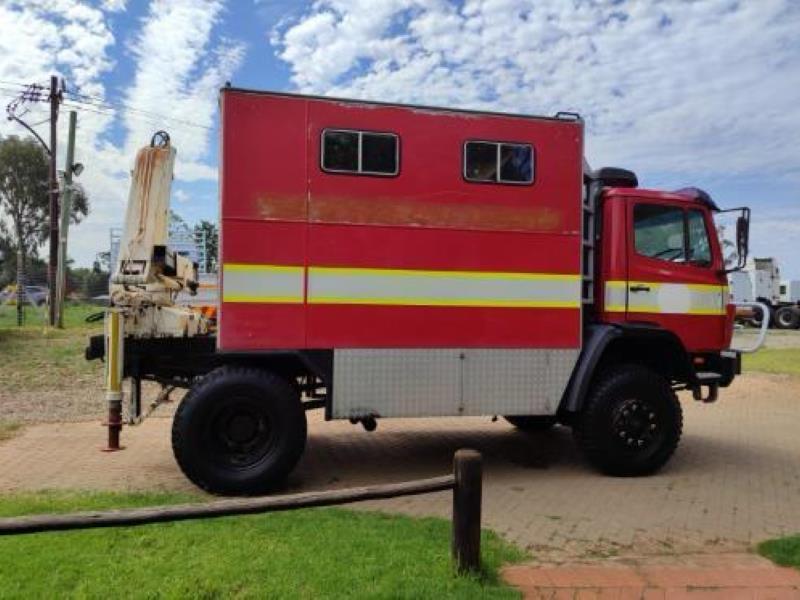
point(631, 422)
point(532, 423)
point(787, 317)
point(239, 431)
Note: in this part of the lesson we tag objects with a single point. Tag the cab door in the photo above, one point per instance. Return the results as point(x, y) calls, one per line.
point(675, 276)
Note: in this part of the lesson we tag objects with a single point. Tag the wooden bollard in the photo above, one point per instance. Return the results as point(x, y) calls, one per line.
point(467, 471)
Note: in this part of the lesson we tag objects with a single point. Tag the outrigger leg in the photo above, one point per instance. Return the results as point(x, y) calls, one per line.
point(114, 360)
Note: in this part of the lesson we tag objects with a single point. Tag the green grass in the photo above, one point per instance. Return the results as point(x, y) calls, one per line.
point(784, 551)
point(38, 358)
point(773, 360)
point(314, 553)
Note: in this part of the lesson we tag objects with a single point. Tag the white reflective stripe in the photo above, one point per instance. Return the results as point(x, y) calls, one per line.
point(410, 287)
point(262, 283)
point(616, 296)
point(665, 298)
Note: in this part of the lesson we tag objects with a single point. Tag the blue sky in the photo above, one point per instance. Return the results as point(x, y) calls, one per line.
point(700, 93)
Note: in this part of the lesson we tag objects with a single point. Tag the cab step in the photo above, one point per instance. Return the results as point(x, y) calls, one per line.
point(709, 379)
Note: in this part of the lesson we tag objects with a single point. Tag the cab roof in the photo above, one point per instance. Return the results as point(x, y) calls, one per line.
point(692, 195)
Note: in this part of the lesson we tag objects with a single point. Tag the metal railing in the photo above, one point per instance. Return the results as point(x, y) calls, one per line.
point(762, 333)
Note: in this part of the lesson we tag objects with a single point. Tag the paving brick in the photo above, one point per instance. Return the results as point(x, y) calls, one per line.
point(734, 480)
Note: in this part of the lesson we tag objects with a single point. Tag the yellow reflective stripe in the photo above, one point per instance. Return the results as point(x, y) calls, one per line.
point(243, 298)
point(247, 268)
point(421, 301)
point(706, 311)
point(484, 275)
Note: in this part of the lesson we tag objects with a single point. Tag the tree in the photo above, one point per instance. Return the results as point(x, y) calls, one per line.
point(211, 232)
point(25, 203)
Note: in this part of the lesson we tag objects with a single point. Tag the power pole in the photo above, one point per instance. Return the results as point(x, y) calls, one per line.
point(53, 182)
point(66, 210)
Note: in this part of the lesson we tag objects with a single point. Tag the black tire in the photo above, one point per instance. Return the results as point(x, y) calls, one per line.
point(631, 422)
point(757, 317)
point(787, 317)
point(531, 423)
point(239, 431)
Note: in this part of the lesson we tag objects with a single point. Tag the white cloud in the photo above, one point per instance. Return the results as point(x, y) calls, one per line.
point(178, 73)
point(38, 38)
point(179, 65)
point(690, 87)
point(115, 5)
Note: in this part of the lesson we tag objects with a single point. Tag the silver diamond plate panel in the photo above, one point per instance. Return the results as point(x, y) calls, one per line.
point(434, 382)
point(396, 383)
point(516, 382)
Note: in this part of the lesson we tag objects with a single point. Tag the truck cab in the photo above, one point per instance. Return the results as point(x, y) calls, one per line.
point(661, 265)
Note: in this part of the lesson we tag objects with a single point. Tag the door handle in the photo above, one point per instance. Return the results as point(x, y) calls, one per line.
point(640, 288)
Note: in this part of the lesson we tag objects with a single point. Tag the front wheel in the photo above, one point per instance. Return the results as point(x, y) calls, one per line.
point(239, 431)
point(631, 422)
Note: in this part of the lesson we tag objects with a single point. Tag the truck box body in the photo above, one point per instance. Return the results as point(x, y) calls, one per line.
point(409, 275)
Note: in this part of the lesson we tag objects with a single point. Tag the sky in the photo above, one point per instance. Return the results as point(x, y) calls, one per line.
point(703, 93)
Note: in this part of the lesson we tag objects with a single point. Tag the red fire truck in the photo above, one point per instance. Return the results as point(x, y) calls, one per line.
point(384, 260)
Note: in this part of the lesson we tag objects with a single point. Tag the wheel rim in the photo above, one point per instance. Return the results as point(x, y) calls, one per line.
point(239, 434)
point(636, 425)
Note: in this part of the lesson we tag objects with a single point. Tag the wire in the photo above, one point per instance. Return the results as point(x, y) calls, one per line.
point(112, 113)
point(103, 103)
point(20, 84)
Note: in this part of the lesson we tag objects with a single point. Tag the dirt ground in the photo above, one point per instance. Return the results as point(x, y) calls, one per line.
point(734, 481)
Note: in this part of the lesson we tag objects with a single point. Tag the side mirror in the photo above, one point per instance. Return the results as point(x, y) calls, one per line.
point(742, 238)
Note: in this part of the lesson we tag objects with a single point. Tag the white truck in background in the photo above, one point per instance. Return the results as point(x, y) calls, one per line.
point(760, 281)
point(790, 291)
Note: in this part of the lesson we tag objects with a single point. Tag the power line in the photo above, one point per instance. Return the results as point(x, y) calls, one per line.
point(106, 104)
point(19, 84)
point(110, 112)
point(103, 103)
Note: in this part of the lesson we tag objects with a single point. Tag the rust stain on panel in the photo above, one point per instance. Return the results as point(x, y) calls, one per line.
point(149, 161)
point(281, 207)
point(395, 211)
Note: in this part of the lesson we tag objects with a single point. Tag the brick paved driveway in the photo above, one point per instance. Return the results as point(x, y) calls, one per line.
point(734, 481)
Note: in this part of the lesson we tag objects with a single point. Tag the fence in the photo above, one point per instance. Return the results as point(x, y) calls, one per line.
point(465, 481)
point(187, 242)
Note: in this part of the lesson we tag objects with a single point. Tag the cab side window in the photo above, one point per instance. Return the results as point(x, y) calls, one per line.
point(699, 246)
point(659, 232)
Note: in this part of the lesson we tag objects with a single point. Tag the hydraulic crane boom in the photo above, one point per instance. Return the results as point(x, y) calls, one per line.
point(148, 275)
